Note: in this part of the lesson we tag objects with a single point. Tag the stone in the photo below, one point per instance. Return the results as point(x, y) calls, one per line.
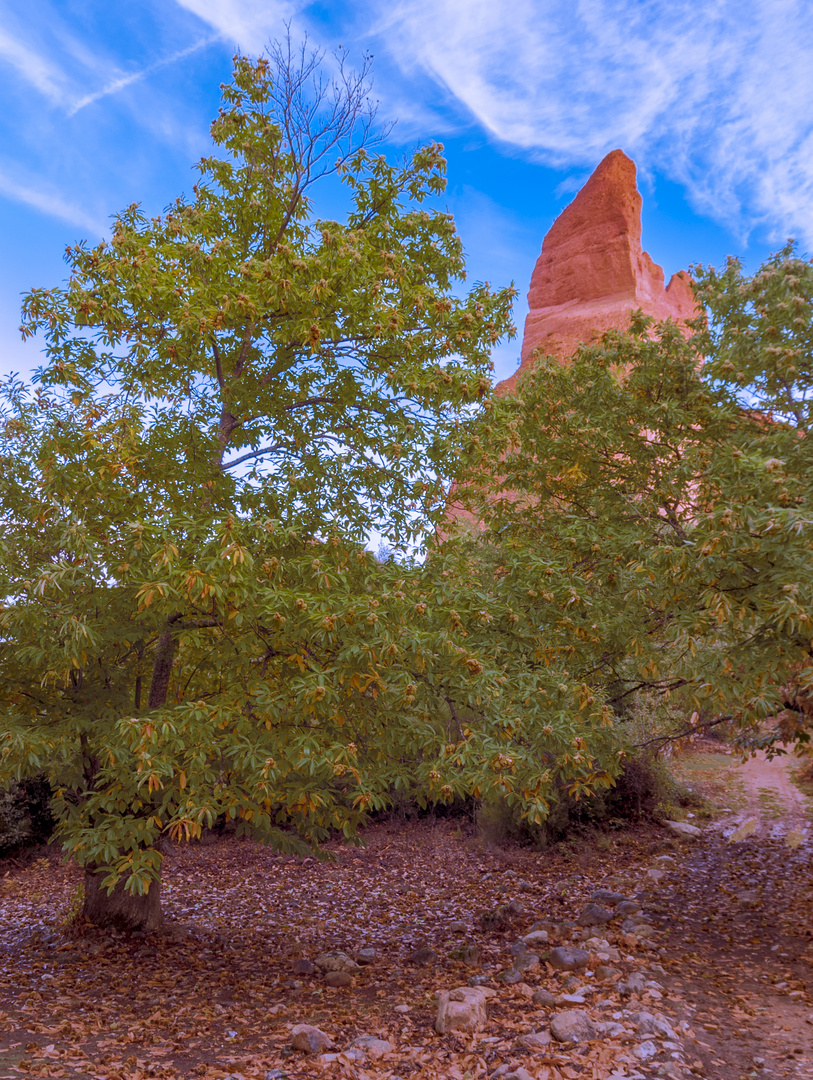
point(336, 960)
point(366, 956)
point(517, 1074)
point(568, 958)
point(510, 976)
point(535, 1041)
point(374, 1048)
point(645, 1051)
point(461, 1009)
point(301, 966)
point(518, 947)
point(628, 907)
point(312, 1040)
point(653, 1024)
point(606, 896)
point(337, 979)
point(424, 957)
point(458, 927)
point(468, 954)
point(606, 974)
point(536, 938)
point(526, 961)
point(593, 915)
point(403, 1009)
point(572, 1026)
point(544, 998)
point(683, 829)
point(496, 919)
point(592, 271)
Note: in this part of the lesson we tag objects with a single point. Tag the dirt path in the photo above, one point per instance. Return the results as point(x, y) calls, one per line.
point(775, 807)
point(736, 910)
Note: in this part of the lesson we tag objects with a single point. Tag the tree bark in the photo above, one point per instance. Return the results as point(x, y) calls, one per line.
point(162, 669)
point(121, 910)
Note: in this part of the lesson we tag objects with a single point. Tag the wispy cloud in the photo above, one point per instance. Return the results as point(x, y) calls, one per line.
point(718, 96)
point(35, 69)
point(248, 23)
point(117, 84)
point(50, 201)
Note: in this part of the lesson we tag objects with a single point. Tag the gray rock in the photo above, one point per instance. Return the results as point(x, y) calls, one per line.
point(336, 960)
point(526, 961)
point(572, 1026)
point(517, 1074)
point(374, 1048)
point(525, 886)
point(301, 966)
point(366, 956)
point(653, 1024)
point(338, 979)
point(423, 957)
point(312, 1040)
point(516, 908)
point(593, 915)
point(645, 1051)
point(458, 927)
point(535, 1041)
point(510, 976)
point(605, 896)
point(606, 974)
point(469, 954)
point(633, 984)
point(568, 958)
point(611, 1028)
point(628, 907)
point(479, 980)
point(683, 829)
point(276, 1074)
point(535, 939)
point(544, 998)
point(518, 948)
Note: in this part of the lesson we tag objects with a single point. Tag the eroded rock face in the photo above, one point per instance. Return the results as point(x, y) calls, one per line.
point(593, 271)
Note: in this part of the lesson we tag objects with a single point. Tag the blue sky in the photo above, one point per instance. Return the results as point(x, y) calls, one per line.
point(107, 104)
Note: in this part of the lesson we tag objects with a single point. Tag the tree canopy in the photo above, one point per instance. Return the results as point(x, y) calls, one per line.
point(234, 394)
point(652, 514)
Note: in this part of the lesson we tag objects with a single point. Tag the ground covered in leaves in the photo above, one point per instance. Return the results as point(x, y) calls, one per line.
point(723, 964)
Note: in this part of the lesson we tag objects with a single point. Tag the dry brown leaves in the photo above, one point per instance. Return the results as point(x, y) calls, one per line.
point(215, 996)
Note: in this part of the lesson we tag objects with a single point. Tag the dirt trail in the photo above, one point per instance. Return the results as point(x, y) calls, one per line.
point(775, 806)
point(737, 913)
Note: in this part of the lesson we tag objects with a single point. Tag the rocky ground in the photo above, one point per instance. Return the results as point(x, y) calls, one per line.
point(426, 955)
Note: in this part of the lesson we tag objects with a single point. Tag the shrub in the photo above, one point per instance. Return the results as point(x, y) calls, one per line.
point(25, 814)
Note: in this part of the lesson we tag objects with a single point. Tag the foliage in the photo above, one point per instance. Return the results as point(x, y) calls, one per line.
point(234, 394)
point(25, 813)
point(651, 520)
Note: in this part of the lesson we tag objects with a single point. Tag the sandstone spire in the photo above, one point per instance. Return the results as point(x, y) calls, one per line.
point(592, 270)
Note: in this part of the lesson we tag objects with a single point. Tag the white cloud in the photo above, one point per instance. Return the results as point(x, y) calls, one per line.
point(719, 95)
point(117, 84)
point(250, 24)
point(50, 201)
point(34, 68)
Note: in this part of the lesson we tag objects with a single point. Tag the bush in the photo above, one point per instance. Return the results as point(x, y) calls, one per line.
point(25, 814)
point(645, 790)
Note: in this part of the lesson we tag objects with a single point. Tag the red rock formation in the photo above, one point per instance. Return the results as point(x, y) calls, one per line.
point(592, 270)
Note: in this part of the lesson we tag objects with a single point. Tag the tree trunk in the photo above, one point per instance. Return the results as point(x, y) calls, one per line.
point(121, 910)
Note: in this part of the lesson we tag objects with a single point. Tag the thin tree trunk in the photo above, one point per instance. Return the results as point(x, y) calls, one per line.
point(161, 669)
point(121, 910)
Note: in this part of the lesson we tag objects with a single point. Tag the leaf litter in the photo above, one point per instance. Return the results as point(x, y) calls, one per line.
point(215, 994)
